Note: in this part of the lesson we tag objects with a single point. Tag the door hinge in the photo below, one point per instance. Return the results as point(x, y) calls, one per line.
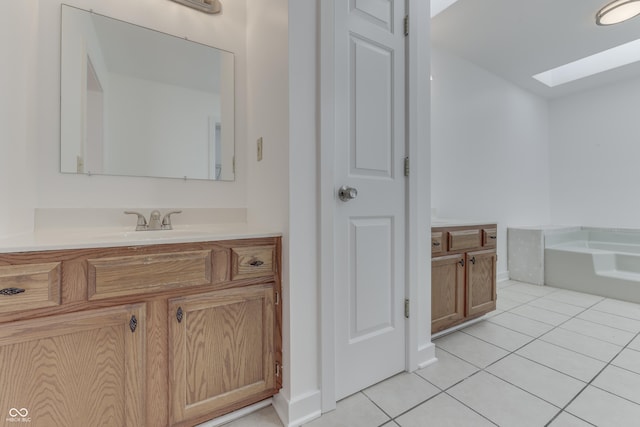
point(406, 25)
point(406, 166)
point(406, 308)
point(277, 369)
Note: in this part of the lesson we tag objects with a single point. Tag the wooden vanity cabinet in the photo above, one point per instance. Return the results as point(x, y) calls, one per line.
point(162, 335)
point(463, 274)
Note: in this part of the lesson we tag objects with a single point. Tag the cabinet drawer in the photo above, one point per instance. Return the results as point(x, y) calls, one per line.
point(437, 246)
point(489, 237)
point(252, 261)
point(140, 274)
point(29, 286)
point(464, 239)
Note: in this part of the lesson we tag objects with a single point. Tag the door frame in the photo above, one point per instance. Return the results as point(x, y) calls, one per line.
point(419, 350)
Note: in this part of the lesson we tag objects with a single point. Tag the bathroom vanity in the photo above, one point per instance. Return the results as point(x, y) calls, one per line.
point(140, 334)
point(463, 272)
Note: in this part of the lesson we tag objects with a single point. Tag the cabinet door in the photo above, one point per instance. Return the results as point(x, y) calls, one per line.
point(481, 282)
point(447, 291)
point(78, 369)
point(221, 349)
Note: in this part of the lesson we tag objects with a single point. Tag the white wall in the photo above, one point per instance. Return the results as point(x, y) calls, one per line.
point(282, 187)
point(18, 38)
point(176, 146)
point(595, 157)
point(226, 31)
point(489, 148)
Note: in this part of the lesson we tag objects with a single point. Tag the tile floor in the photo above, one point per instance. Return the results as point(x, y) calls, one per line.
point(546, 357)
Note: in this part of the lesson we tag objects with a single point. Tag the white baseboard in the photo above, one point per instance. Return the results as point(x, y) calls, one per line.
point(299, 410)
point(427, 355)
point(502, 276)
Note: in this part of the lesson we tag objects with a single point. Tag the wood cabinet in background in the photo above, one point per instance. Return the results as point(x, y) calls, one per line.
point(463, 274)
point(159, 335)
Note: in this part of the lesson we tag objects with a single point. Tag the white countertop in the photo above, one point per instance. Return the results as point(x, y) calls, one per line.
point(102, 237)
point(446, 222)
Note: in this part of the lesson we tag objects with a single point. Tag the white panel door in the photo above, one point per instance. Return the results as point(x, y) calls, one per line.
point(370, 228)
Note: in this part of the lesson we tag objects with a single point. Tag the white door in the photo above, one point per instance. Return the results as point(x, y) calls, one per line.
point(369, 229)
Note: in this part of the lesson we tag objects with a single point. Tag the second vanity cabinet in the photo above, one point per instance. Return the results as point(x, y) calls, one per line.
point(463, 274)
point(159, 335)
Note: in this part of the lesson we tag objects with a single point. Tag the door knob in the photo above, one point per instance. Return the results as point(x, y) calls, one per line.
point(347, 193)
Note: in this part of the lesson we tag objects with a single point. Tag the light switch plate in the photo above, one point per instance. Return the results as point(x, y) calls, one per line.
point(260, 149)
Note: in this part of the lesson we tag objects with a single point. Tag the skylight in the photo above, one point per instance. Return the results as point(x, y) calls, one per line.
point(603, 61)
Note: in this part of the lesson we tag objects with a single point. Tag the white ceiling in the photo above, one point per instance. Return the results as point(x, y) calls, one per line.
point(147, 54)
point(517, 39)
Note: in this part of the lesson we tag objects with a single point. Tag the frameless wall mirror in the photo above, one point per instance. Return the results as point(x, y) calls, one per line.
point(138, 102)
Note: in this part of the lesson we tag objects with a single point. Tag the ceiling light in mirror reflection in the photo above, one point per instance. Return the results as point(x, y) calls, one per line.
point(618, 11)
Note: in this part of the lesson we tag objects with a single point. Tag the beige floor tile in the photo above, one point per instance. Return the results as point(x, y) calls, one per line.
point(557, 306)
point(501, 402)
point(567, 420)
point(443, 411)
point(524, 325)
point(620, 382)
point(611, 320)
point(447, 371)
point(628, 359)
point(575, 298)
point(582, 344)
point(619, 308)
point(265, 417)
point(635, 344)
point(471, 349)
point(390, 424)
point(516, 296)
point(566, 361)
point(604, 409)
point(535, 290)
point(401, 393)
point(498, 335)
point(598, 331)
point(546, 383)
point(354, 411)
point(505, 304)
point(540, 315)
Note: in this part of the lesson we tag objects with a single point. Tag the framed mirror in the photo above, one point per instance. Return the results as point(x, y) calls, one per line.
point(138, 102)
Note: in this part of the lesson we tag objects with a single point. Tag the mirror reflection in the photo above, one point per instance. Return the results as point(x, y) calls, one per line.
point(138, 102)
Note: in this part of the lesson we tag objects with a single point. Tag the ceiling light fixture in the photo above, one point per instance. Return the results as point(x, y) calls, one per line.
point(206, 6)
point(618, 11)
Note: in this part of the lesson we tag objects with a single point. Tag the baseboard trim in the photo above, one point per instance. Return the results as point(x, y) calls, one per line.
point(299, 410)
point(427, 355)
point(236, 414)
point(502, 276)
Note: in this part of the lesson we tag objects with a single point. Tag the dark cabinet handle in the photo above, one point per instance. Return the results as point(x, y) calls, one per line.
point(133, 323)
point(256, 263)
point(493, 237)
point(461, 262)
point(179, 314)
point(11, 291)
point(473, 260)
point(436, 243)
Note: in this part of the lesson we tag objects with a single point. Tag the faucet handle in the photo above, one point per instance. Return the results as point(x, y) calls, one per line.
point(142, 222)
point(166, 220)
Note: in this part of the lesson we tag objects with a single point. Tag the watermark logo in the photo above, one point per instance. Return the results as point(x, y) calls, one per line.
point(18, 416)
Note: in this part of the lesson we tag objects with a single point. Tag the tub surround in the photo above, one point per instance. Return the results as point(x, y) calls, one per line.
point(600, 261)
point(525, 251)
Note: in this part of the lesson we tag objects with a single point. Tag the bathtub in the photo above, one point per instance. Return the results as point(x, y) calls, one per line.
point(598, 261)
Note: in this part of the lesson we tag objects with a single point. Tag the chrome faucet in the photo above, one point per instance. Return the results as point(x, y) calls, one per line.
point(154, 220)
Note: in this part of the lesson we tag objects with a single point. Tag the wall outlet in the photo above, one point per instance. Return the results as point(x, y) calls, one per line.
point(260, 149)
